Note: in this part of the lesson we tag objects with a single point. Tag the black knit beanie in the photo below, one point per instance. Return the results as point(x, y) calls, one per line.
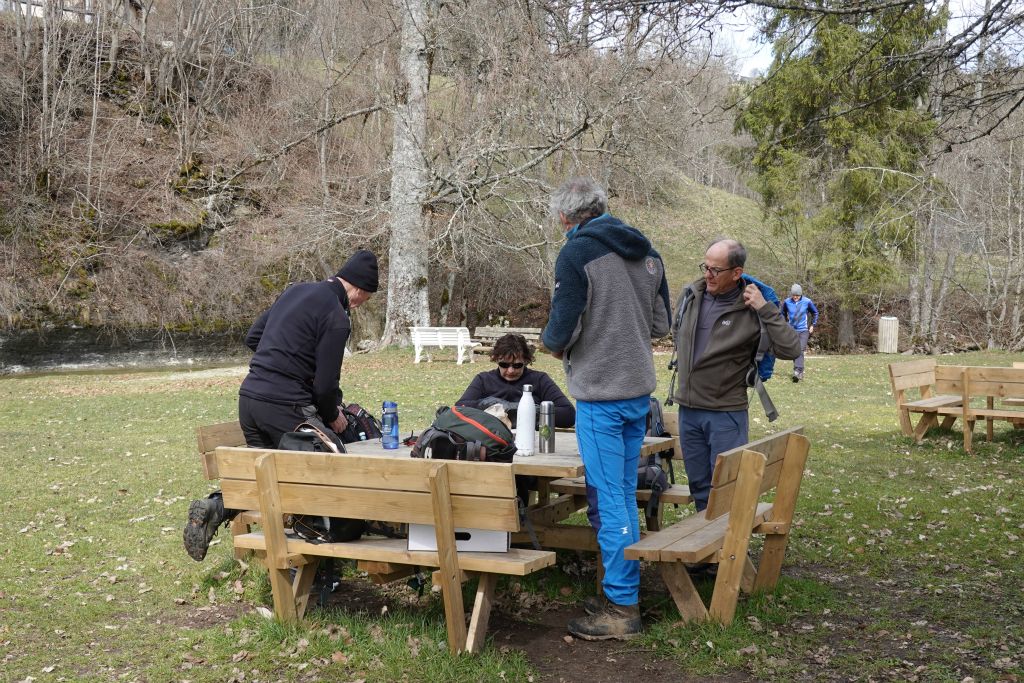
point(360, 270)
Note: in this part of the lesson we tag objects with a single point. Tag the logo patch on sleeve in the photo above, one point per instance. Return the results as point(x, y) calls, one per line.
point(650, 265)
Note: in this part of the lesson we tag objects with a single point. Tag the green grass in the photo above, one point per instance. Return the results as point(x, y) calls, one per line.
point(904, 562)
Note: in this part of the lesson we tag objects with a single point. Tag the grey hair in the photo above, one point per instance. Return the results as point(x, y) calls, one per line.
point(737, 257)
point(579, 198)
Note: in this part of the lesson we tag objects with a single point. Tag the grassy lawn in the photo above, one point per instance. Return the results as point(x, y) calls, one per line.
point(904, 565)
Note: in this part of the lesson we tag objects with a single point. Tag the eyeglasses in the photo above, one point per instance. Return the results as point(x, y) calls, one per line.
point(505, 365)
point(715, 272)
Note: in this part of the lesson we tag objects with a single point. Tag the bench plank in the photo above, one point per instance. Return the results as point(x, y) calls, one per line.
point(398, 474)
point(515, 562)
point(362, 503)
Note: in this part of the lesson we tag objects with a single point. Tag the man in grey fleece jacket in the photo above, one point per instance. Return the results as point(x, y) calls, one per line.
point(610, 300)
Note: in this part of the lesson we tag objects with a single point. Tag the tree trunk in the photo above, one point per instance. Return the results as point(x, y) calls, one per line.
point(847, 339)
point(940, 301)
point(408, 253)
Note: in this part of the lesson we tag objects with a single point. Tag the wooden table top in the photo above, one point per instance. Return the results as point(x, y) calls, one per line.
point(564, 462)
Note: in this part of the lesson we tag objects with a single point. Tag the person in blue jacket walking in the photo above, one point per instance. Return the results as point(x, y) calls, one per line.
point(610, 301)
point(797, 308)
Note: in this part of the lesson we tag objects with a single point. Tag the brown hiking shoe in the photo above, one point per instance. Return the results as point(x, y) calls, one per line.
point(593, 604)
point(612, 622)
point(204, 516)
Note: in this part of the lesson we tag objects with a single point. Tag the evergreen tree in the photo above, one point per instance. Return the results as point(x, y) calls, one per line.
point(840, 129)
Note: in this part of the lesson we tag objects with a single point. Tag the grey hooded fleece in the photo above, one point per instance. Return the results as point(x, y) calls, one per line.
point(611, 298)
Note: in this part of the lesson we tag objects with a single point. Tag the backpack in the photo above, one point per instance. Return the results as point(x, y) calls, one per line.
point(308, 437)
point(315, 528)
point(464, 433)
point(362, 426)
point(650, 475)
point(764, 359)
point(762, 363)
point(650, 472)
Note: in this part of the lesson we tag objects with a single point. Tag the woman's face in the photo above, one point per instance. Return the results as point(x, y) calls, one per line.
point(511, 367)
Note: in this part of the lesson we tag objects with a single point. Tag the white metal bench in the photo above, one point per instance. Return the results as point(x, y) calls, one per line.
point(443, 337)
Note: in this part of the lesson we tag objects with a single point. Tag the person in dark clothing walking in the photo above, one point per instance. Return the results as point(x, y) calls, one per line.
point(299, 345)
point(504, 385)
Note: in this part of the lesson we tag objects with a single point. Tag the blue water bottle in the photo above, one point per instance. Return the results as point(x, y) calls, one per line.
point(389, 424)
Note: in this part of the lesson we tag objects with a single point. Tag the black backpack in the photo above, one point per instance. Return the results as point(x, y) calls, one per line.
point(464, 433)
point(315, 528)
point(650, 473)
point(362, 426)
point(308, 437)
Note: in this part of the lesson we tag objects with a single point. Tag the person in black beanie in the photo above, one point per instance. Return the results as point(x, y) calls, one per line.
point(299, 345)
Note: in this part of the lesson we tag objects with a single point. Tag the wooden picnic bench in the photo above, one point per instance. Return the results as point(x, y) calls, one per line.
point(721, 533)
point(447, 494)
point(442, 337)
point(989, 384)
point(937, 388)
point(947, 391)
point(486, 336)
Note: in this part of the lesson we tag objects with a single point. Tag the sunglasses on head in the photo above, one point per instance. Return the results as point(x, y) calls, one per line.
point(505, 365)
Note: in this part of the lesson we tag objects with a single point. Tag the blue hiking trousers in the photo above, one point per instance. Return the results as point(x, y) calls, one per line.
point(610, 435)
point(704, 434)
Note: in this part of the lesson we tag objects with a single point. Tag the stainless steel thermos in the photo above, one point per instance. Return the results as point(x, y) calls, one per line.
point(546, 427)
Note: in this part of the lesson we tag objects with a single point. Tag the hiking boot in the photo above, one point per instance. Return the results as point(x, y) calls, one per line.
point(611, 622)
point(204, 516)
point(594, 603)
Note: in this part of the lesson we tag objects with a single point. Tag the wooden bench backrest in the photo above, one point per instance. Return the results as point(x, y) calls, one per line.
point(531, 333)
point(783, 456)
point(210, 437)
point(926, 376)
point(370, 487)
point(992, 381)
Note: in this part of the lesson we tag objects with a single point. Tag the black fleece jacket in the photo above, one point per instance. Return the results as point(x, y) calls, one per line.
point(299, 345)
point(491, 383)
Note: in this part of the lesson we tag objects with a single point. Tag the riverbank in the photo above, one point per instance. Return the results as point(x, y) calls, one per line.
point(88, 349)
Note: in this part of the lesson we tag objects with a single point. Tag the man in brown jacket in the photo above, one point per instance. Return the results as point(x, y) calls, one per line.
point(717, 327)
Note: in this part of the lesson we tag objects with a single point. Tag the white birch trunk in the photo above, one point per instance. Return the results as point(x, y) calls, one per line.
point(408, 251)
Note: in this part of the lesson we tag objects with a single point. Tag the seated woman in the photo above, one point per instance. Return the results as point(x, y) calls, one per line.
point(505, 383)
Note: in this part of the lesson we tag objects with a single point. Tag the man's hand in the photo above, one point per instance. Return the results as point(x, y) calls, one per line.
point(752, 297)
point(810, 329)
point(339, 424)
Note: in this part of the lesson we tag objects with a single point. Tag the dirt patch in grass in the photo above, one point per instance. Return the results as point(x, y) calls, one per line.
point(559, 658)
point(207, 616)
point(536, 626)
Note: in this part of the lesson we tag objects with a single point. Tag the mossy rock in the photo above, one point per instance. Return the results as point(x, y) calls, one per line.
point(180, 229)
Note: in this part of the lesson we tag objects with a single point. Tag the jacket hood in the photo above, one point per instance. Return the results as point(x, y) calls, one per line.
point(624, 240)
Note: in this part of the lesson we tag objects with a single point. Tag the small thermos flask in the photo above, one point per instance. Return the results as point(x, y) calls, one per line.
point(389, 424)
point(547, 427)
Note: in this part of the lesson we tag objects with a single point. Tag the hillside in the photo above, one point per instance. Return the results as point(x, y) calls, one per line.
point(137, 231)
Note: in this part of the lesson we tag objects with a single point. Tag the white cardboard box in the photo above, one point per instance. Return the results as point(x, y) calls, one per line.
point(423, 537)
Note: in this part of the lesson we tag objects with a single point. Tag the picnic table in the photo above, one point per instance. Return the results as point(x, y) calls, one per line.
point(548, 513)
